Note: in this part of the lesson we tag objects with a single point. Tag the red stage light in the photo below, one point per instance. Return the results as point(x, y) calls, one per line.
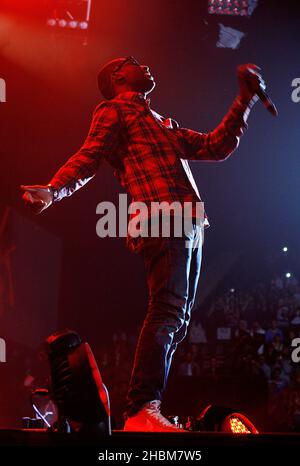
point(237, 423)
point(223, 419)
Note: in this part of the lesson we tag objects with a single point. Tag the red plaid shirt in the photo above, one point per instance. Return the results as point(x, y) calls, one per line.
point(149, 153)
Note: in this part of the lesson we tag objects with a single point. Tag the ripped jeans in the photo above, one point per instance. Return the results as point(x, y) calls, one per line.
point(172, 269)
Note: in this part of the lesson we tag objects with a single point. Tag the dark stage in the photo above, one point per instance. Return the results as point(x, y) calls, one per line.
point(33, 446)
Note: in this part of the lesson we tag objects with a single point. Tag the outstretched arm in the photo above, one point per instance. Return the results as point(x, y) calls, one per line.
point(102, 139)
point(218, 144)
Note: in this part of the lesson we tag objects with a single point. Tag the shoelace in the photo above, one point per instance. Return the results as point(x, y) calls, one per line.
point(154, 408)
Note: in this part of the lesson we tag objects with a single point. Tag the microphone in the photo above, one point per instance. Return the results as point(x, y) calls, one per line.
point(266, 101)
point(261, 93)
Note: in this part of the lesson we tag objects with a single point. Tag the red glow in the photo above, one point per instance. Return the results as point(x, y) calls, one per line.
point(236, 423)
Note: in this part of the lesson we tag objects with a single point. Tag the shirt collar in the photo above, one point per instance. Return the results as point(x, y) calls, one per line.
point(134, 96)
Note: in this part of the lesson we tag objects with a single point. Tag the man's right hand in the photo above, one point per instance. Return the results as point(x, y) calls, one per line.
point(37, 197)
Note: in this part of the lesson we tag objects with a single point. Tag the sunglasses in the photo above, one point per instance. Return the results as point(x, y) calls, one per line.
point(124, 62)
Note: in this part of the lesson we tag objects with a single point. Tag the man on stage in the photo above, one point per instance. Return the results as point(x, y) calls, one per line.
point(149, 154)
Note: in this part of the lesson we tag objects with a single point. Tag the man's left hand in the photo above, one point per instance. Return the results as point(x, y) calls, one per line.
point(250, 81)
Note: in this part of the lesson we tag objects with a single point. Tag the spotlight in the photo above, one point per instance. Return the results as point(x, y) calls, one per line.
point(76, 386)
point(74, 14)
point(232, 7)
point(62, 23)
point(73, 24)
point(232, 290)
point(51, 22)
point(285, 249)
point(288, 275)
point(83, 25)
point(223, 419)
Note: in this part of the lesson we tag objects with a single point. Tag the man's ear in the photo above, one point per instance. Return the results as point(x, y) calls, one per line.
point(119, 78)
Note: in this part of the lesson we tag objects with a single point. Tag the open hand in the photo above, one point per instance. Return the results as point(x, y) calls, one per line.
point(37, 197)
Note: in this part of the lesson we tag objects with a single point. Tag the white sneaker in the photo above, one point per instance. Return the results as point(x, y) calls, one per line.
point(150, 419)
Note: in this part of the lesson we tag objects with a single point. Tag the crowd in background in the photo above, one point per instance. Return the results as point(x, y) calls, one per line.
point(243, 337)
point(240, 334)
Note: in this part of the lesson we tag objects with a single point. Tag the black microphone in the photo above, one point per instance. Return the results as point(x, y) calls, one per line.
point(261, 93)
point(267, 102)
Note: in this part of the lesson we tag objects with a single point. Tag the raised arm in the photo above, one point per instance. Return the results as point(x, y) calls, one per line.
point(218, 144)
point(101, 140)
